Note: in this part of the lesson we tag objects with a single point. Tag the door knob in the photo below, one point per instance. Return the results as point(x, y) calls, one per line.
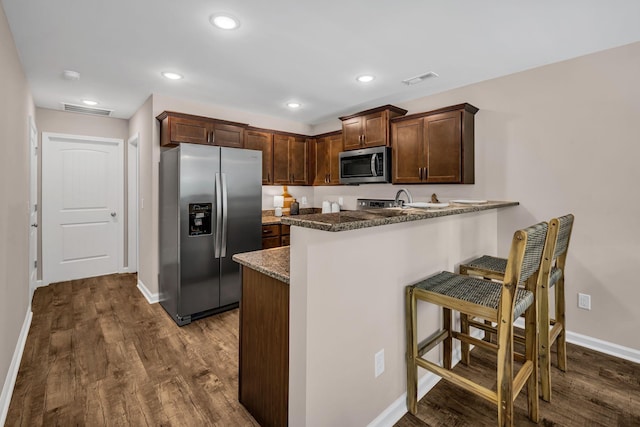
point(34, 225)
point(113, 214)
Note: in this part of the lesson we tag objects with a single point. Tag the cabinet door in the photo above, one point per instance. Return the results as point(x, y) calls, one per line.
point(375, 132)
point(352, 133)
point(408, 150)
point(280, 159)
point(335, 147)
point(263, 141)
point(227, 135)
point(443, 139)
point(189, 130)
point(298, 161)
point(322, 161)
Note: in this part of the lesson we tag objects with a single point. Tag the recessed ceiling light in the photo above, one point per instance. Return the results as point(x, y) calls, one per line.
point(171, 76)
point(365, 78)
point(224, 22)
point(294, 104)
point(89, 102)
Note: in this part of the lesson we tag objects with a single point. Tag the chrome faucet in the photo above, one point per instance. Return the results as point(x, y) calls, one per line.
point(398, 202)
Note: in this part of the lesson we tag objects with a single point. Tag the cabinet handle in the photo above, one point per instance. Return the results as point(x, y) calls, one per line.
point(213, 137)
point(268, 177)
point(426, 174)
point(420, 174)
point(364, 137)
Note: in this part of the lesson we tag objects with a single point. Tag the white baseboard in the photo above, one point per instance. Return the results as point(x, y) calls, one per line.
point(599, 345)
point(151, 297)
point(12, 373)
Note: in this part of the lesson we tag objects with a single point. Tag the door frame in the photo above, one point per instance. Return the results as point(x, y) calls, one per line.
point(133, 192)
point(47, 137)
point(34, 282)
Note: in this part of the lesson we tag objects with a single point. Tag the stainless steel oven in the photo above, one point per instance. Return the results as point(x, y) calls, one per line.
point(366, 166)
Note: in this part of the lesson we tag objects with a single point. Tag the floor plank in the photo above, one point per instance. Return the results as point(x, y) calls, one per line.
point(98, 354)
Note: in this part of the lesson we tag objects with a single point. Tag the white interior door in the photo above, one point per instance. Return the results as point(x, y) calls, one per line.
point(132, 198)
point(82, 198)
point(33, 207)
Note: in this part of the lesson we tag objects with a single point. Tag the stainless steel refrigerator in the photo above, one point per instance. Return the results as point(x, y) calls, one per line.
point(210, 209)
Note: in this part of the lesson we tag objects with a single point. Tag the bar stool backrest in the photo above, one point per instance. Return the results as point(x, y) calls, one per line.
point(565, 227)
point(535, 239)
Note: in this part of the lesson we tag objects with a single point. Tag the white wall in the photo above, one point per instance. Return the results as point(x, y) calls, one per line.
point(15, 108)
point(560, 138)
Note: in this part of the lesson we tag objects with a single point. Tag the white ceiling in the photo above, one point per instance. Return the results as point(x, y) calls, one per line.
point(299, 50)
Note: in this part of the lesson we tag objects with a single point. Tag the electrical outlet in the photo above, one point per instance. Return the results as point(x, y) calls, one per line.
point(379, 363)
point(340, 201)
point(584, 301)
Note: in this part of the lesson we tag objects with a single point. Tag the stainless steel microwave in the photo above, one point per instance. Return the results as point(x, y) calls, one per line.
point(370, 165)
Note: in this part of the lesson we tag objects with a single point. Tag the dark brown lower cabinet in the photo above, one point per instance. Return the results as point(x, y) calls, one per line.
point(264, 348)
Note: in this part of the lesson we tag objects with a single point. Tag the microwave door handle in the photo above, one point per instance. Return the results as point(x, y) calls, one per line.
point(373, 165)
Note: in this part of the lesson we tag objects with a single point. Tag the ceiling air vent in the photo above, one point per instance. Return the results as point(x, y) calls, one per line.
point(417, 79)
point(86, 110)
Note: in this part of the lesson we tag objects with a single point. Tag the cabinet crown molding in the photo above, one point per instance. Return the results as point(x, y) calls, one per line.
point(465, 106)
point(392, 108)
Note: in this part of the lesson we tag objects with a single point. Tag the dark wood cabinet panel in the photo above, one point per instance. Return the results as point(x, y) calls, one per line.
point(408, 151)
point(227, 135)
point(327, 148)
point(369, 128)
point(188, 130)
point(298, 161)
point(442, 139)
point(280, 159)
point(434, 147)
point(271, 242)
point(321, 154)
point(275, 235)
point(290, 160)
point(263, 141)
point(264, 348)
point(177, 128)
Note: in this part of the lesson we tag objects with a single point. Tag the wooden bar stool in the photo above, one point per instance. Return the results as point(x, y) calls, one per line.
point(551, 276)
point(500, 303)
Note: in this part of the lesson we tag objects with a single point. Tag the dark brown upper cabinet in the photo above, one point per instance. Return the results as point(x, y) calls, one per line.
point(434, 147)
point(327, 147)
point(262, 141)
point(369, 128)
point(176, 128)
point(290, 159)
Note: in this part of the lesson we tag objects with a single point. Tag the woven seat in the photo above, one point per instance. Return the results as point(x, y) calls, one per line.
point(489, 266)
point(500, 303)
point(476, 291)
point(552, 273)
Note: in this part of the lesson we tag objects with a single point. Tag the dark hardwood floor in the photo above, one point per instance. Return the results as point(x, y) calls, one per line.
point(596, 390)
point(98, 354)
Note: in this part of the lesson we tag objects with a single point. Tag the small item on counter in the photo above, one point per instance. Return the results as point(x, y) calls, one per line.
point(278, 211)
point(295, 207)
point(288, 198)
point(335, 207)
point(326, 207)
point(434, 198)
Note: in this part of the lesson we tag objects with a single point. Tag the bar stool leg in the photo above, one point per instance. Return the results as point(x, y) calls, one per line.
point(562, 338)
point(505, 374)
point(447, 354)
point(544, 343)
point(412, 351)
point(531, 353)
point(464, 347)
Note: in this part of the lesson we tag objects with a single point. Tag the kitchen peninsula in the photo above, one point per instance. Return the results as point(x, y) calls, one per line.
point(344, 289)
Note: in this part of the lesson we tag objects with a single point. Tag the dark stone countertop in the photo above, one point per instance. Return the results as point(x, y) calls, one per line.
point(353, 220)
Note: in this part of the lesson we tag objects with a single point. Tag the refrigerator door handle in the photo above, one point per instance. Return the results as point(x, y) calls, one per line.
point(223, 240)
point(217, 235)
